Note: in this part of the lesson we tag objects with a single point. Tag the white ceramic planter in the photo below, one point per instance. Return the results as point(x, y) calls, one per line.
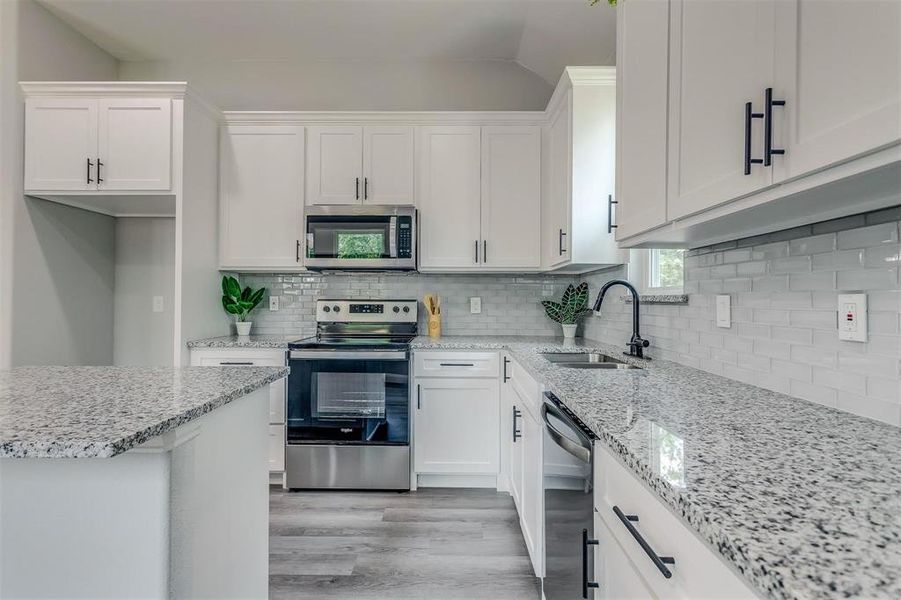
point(569, 331)
point(243, 327)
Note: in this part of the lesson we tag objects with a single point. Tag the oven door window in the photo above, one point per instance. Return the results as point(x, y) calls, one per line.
point(348, 237)
point(348, 401)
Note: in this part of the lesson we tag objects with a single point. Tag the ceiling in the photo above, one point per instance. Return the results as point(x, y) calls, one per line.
point(541, 35)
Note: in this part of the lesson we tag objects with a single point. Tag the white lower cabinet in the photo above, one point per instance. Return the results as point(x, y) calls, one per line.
point(456, 427)
point(256, 357)
point(622, 567)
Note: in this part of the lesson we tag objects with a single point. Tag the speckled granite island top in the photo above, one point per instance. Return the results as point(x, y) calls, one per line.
point(85, 412)
point(244, 341)
point(804, 500)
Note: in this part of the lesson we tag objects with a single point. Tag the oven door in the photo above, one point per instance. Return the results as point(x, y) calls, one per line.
point(348, 397)
point(371, 237)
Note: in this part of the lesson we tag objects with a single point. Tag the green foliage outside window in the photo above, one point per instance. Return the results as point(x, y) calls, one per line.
point(360, 245)
point(668, 271)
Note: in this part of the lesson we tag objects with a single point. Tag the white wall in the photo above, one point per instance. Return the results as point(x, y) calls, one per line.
point(57, 286)
point(353, 85)
point(145, 267)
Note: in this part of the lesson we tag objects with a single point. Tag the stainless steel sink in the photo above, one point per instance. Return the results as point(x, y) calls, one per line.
point(586, 360)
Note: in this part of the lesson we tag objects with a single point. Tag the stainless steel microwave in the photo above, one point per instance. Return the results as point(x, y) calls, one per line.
point(360, 237)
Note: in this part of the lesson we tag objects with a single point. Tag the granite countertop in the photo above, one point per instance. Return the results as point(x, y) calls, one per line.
point(244, 341)
point(802, 499)
point(98, 412)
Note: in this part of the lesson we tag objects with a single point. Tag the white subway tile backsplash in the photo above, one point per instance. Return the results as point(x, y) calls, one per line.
point(816, 281)
point(839, 260)
point(865, 237)
point(812, 245)
point(888, 255)
point(814, 393)
point(814, 319)
point(790, 264)
point(868, 279)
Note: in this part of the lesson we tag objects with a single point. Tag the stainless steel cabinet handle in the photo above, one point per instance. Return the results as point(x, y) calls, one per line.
point(659, 561)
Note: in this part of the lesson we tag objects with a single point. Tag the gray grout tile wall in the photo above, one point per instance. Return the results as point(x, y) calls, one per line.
point(784, 337)
point(784, 289)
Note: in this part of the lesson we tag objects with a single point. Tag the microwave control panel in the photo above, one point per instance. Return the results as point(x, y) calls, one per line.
point(405, 237)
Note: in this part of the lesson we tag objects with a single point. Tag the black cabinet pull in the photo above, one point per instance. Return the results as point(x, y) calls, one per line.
point(365, 188)
point(562, 250)
point(585, 583)
point(418, 397)
point(517, 433)
point(659, 561)
point(506, 362)
point(99, 178)
point(484, 251)
point(610, 203)
point(477, 251)
point(232, 363)
point(749, 116)
point(768, 150)
point(297, 251)
point(90, 165)
point(357, 188)
point(457, 364)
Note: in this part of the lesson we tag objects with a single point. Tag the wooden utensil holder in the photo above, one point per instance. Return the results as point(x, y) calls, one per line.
point(434, 326)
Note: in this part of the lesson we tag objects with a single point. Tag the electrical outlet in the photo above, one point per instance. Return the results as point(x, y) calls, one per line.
point(158, 305)
point(852, 317)
point(475, 305)
point(724, 311)
point(273, 302)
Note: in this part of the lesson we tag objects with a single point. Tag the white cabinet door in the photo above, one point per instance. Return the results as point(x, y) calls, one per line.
point(721, 56)
point(617, 577)
point(60, 144)
point(511, 197)
point(334, 169)
point(388, 170)
point(276, 448)
point(532, 502)
point(449, 202)
point(641, 81)
point(135, 144)
point(557, 196)
point(838, 68)
point(456, 428)
point(260, 195)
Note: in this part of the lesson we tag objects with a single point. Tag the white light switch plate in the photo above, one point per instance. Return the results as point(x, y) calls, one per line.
point(273, 302)
point(852, 317)
point(475, 305)
point(724, 311)
point(158, 304)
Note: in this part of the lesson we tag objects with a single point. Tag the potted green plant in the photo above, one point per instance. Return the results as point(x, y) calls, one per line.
point(239, 302)
point(572, 307)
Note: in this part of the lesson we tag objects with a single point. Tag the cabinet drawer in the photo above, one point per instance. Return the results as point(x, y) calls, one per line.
point(455, 364)
point(238, 357)
point(697, 572)
point(276, 447)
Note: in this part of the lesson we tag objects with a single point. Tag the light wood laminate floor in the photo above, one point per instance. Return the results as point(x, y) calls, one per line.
point(431, 544)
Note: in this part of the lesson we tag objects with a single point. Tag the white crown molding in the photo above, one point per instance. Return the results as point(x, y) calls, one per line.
point(363, 117)
point(94, 89)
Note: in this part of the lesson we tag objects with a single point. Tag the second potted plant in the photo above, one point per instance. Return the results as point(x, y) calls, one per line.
point(572, 307)
point(240, 302)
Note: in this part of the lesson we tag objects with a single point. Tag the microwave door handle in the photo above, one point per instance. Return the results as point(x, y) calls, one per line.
point(392, 237)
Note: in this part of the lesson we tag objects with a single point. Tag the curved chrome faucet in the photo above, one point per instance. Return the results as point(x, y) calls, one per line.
point(636, 344)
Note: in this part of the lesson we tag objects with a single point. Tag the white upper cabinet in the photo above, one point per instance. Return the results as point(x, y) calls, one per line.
point(449, 196)
point(511, 197)
point(641, 85)
point(260, 196)
point(334, 170)
point(360, 165)
point(838, 69)
point(135, 144)
point(388, 165)
point(578, 210)
point(721, 57)
point(60, 144)
point(82, 144)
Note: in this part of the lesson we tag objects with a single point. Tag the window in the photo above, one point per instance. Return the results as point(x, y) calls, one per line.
point(658, 271)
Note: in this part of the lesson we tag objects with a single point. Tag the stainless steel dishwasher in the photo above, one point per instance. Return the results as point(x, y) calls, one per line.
point(568, 503)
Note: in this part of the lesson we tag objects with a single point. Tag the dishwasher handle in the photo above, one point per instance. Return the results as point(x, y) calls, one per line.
point(580, 451)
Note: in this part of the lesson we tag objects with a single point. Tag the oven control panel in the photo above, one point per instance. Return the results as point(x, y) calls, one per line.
point(366, 311)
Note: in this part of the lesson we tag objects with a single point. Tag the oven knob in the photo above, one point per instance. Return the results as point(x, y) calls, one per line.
point(336, 308)
point(326, 309)
point(396, 309)
point(406, 309)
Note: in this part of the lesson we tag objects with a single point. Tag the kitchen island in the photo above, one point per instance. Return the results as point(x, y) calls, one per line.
point(134, 482)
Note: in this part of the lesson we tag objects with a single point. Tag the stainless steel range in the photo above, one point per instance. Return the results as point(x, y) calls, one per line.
point(348, 421)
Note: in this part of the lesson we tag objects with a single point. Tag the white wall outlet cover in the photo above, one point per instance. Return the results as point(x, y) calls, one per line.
point(158, 305)
point(724, 310)
point(475, 305)
point(852, 317)
point(273, 302)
